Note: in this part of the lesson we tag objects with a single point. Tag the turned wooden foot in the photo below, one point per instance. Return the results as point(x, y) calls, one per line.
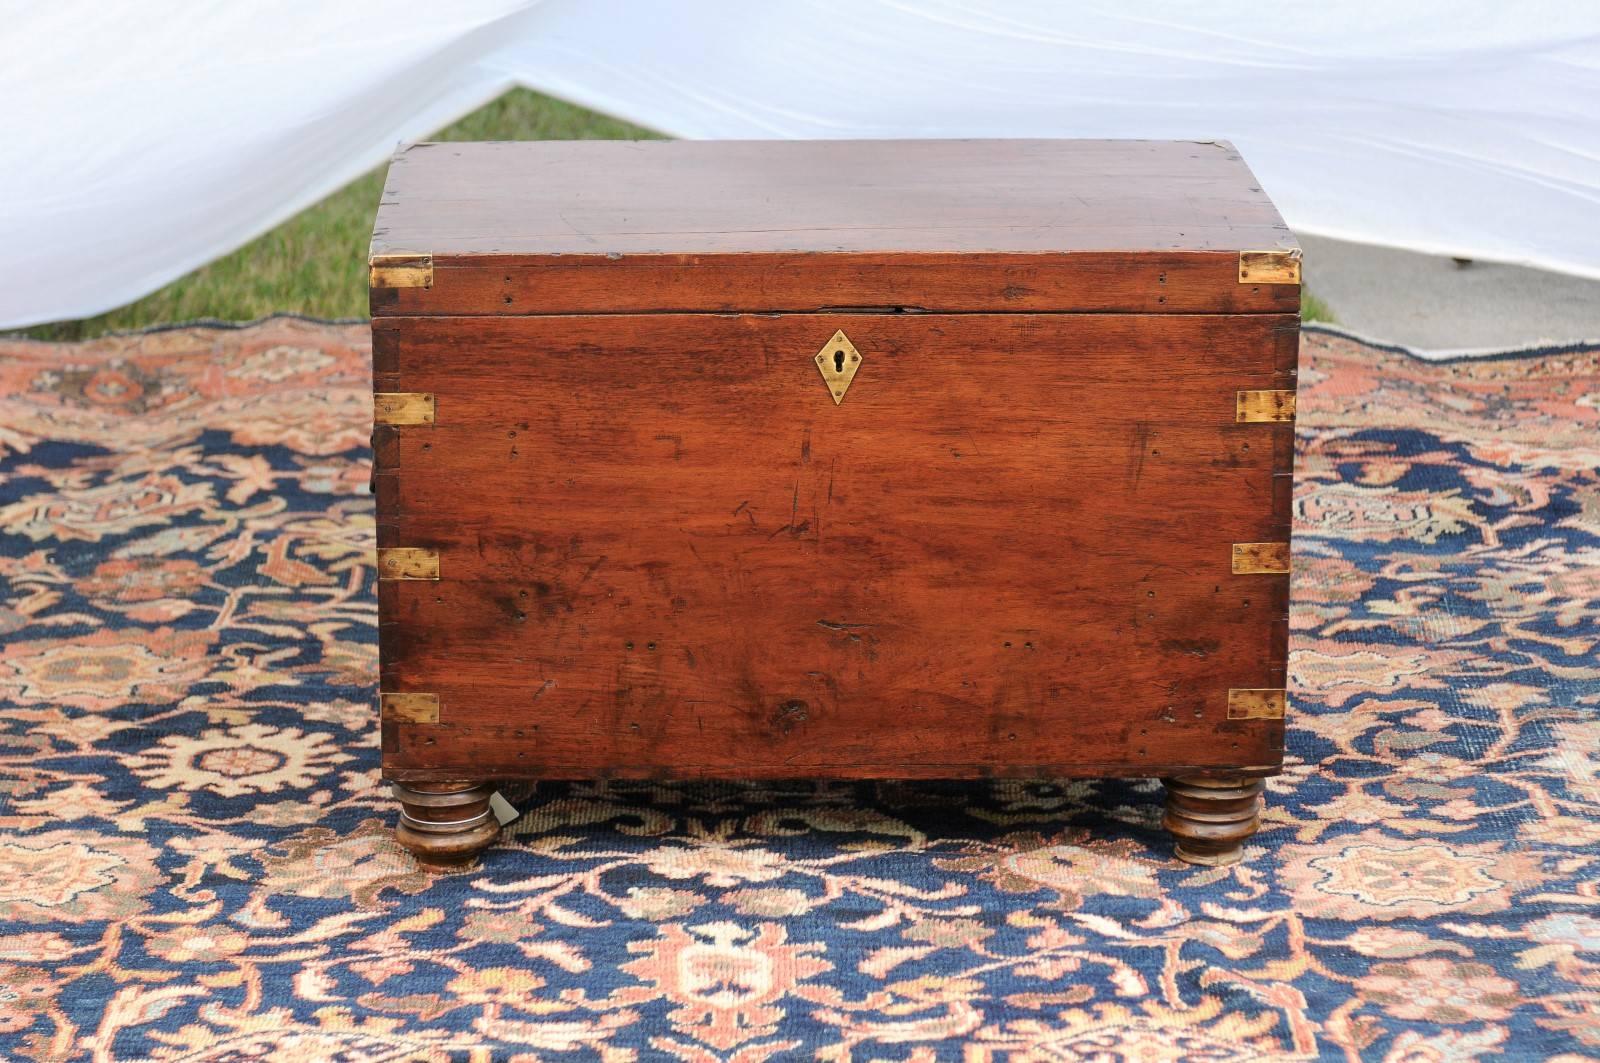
point(445, 824)
point(1210, 816)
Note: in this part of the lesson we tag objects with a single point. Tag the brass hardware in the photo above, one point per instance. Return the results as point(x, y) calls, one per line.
point(409, 708)
point(838, 360)
point(1260, 406)
point(1259, 558)
point(1269, 267)
point(400, 271)
point(408, 562)
point(1265, 704)
point(402, 407)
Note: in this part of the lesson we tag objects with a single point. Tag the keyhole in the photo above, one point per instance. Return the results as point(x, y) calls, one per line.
point(838, 361)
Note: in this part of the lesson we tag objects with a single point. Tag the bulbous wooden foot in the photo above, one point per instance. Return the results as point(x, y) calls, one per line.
point(1210, 816)
point(445, 825)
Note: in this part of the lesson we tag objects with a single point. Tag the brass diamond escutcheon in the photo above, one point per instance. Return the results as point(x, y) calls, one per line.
point(838, 361)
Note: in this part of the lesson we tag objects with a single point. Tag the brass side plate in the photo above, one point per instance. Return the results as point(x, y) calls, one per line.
point(1269, 267)
point(838, 361)
point(408, 562)
point(1255, 558)
point(1260, 406)
point(409, 708)
point(1256, 704)
point(400, 271)
point(402, 407)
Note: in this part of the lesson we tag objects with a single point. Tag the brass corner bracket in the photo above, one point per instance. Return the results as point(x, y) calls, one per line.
point(1269, 267)
point(402, 407)
point(1256, 704)
point(1260, 558)
point(400, 271)
point(409, 708)
point(1253, 407)
point(408, 562)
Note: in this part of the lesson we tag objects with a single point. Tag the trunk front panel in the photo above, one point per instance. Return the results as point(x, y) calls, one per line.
point(664, 550)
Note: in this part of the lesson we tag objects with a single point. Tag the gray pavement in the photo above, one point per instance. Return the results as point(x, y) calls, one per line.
point(1431, 303)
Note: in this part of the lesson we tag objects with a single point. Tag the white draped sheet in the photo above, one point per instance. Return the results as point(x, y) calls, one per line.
point(144, 138)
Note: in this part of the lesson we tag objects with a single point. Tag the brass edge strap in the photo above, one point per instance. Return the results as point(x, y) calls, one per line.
point(409, 708)
point(403, 407)
point(400, 271)
point(1256, 704)
point(408, 562)
point(1269, 267)
point(1265, 406)
point(1260, 558)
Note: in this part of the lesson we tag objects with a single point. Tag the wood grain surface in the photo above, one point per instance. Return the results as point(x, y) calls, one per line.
point(663, 550)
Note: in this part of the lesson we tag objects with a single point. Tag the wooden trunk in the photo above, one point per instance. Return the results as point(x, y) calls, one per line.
point(849, 460)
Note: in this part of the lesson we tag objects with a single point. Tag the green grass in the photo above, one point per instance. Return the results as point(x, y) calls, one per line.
point(1314, 309)
point(315, 263)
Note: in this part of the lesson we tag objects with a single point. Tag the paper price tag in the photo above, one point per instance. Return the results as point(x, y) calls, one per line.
point(502, 809)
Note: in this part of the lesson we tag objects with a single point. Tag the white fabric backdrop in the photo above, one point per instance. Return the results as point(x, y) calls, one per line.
point(144, 138)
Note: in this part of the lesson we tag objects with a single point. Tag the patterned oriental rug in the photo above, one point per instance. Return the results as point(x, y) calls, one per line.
point(195, 857)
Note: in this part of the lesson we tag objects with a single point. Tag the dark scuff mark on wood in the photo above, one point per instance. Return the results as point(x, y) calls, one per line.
point(796, 530)
point(789, 715)
point(1141, 446)
point(843, 626)
point(858, 634)
point(796, 527)
point(1192, 647)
